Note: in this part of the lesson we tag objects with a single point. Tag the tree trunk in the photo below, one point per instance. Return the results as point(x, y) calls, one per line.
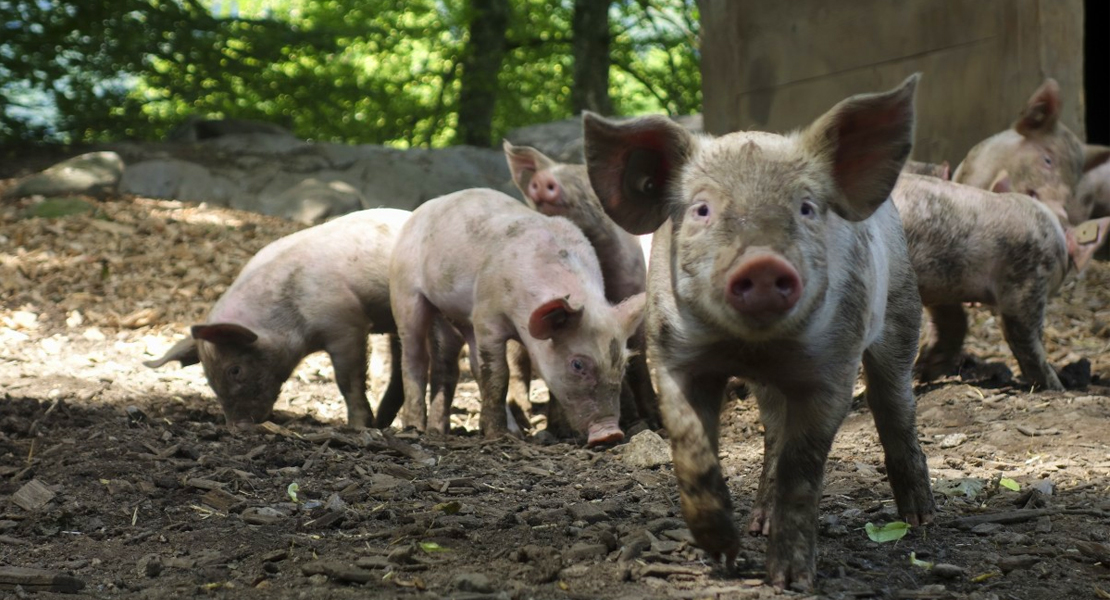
point(591, 57)
point(489, 20)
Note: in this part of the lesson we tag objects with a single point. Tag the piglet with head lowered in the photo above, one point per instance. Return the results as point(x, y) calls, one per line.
point(558, 189)
point(779, 260)
point(321, 288)
point(1003, 249)
point(498, 270)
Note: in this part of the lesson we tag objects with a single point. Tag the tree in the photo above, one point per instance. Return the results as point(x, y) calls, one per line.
point(591, 57)
point(489, 22)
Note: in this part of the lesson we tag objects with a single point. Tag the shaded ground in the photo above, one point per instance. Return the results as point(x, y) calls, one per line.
point(130, 484)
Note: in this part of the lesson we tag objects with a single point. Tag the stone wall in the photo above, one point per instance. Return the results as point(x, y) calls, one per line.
point(778, 65)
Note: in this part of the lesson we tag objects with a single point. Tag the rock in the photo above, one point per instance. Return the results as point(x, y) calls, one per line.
point(313, 201)
point(473, 582)
point(1076, 375)
point(986, 528)
point(952, 440)
point(646, 450)
point(94, 174)
point(262, 515)
point(1022, 561)
point(582, 551)
point(947, 571)
point(33, 495)
point(587, 512)
point(150, 565)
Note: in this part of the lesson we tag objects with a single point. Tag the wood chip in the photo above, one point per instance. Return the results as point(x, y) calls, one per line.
point(33, 495)
point(39, 580)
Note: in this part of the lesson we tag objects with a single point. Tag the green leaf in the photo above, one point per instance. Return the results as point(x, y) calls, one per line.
point(1009, 484)
point(924, 564)
point(292, 491)
point(968, 487)
point(431, 547)
point(448, 508)
point(52, 208)
point(890, 532)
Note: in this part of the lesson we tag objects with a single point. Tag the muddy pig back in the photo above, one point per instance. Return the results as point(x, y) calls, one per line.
point(322, 288)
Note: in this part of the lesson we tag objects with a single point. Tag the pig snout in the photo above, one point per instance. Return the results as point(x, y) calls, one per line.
point(545, 189)
point(764, 284)
point(604, 431)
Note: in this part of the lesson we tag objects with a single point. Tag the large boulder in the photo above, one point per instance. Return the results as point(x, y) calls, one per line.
point(279, 175)
point(93, 174)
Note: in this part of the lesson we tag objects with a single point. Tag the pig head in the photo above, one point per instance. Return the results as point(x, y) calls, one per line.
point(1043, 158)
point(779, 260)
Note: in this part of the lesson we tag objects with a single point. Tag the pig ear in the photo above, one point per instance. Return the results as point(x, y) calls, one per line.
point(184, 351)
point(865, 140)
point(633, 167)
point(946, 171)
point(552, 317)
point(1001, 183)
point(224, 333)
point(1042, 112)
point(524, 162)
point(630, 313)
point(1084, 239)
point(1094, 156)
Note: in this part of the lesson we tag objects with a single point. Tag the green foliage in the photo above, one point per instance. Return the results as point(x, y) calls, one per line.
point(375, 71)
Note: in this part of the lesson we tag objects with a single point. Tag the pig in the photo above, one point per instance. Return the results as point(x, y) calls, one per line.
point(1092, 196)
point(557, 189)
point(499, 271)
point(1043, 158)
point(778, 259)
point(321, 288)
point(940, 171)
point(1002, 249)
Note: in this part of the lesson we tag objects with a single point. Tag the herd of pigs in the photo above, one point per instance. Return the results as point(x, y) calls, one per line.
point(775, 260)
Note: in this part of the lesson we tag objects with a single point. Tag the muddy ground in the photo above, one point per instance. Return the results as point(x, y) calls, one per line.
point(121, 481)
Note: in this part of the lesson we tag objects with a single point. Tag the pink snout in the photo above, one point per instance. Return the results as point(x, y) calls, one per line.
point(764, 284)
point(545, 189)
point(604, 431)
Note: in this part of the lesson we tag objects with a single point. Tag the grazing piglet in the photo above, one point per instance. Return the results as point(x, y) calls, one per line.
point(321, 288)
point(1002, 249)
point(557, 189)
point(940, 171)
point(1043, 158)
point(779, 260)
point(498, 270)
point(1093, 194)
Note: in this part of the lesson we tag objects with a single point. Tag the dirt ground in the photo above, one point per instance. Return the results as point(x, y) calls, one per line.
point(122, 481)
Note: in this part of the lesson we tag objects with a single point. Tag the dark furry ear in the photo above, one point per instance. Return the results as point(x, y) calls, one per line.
point(634, 165)
point(184, 351)
point(224, 333)
point(1042, 112)
point(865, 140)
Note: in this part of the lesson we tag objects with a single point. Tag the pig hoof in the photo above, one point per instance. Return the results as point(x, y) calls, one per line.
point(760, 523)
point(794, 577)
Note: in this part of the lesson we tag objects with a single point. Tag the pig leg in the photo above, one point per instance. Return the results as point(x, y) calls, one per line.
point(492, 368)
point(414, 322)
point(810, 424)
point(520, 383)
point(638, 377)
point(1023, 334)
point(394, 395)
point(446, 346)
point(348, 357)
point(949, 328)
point(691, 407)
point(886, 367)
point(772, 417)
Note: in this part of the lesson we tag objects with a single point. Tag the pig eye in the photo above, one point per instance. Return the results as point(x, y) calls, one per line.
point(234, 371)
point(577, 365)
point(701, 210)
point(1047, 160)
point(809, 209)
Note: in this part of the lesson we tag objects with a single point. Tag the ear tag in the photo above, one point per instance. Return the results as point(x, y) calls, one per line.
point(1086, 233)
